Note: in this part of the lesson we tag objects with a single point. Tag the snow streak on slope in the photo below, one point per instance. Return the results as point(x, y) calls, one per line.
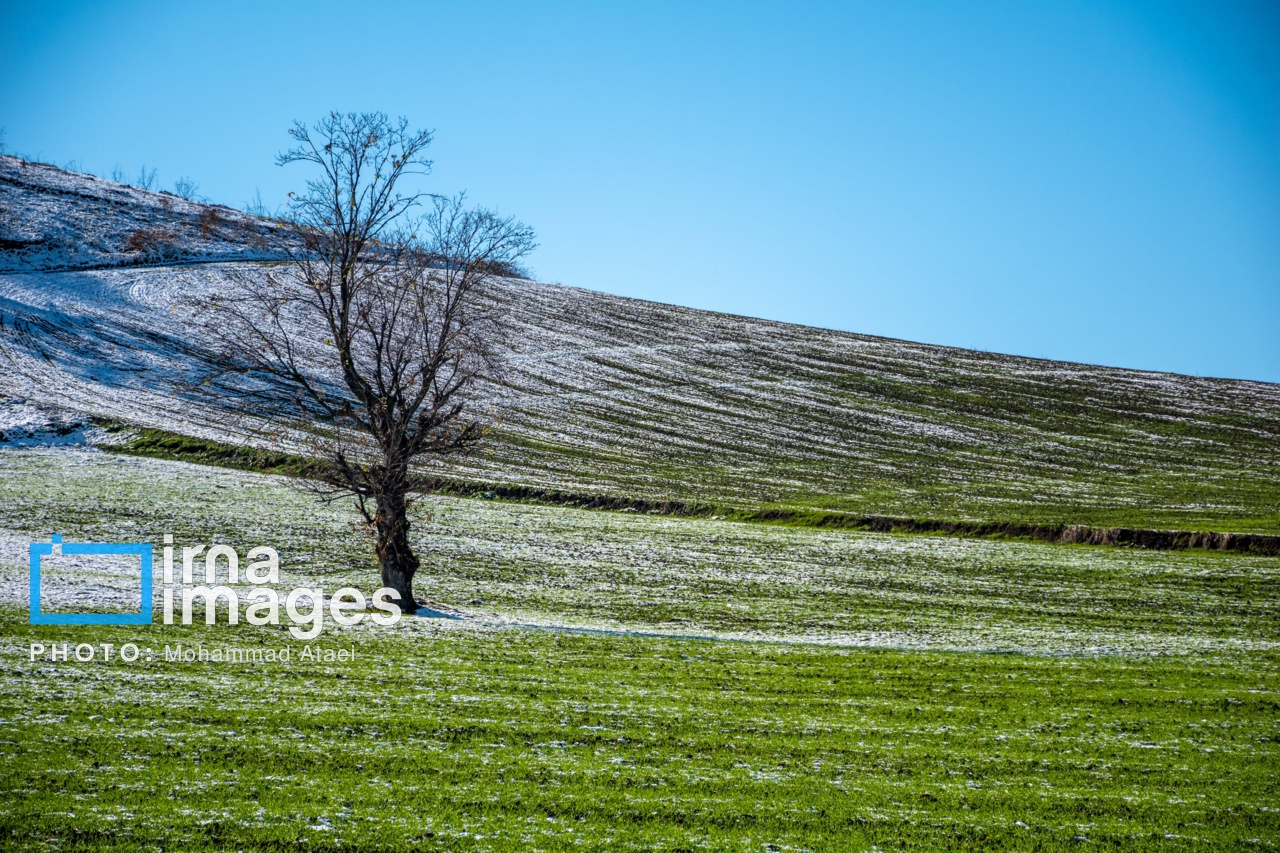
point(620, 395)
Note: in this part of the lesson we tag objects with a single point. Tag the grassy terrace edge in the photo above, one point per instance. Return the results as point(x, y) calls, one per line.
point(162, 444)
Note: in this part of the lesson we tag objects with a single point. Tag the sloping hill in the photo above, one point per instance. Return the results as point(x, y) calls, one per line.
point(54, 219)
point(635, 398)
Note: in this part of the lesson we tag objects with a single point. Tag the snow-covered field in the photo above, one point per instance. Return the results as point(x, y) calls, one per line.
point(509, 564)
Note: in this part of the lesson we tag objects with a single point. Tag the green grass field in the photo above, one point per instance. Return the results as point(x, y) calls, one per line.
point(856, 691)
point(512, 739)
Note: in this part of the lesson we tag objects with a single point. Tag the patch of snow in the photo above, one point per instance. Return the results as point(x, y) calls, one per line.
point(24, 424)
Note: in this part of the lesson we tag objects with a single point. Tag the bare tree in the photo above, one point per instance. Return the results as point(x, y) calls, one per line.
point(257, 207)
point(186, 188)
point(375, 335)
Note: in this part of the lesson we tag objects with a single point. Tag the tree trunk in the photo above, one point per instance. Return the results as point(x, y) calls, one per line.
point(396, 559)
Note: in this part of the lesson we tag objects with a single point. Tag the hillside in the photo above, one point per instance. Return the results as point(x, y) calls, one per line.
point(625, 397)
point(54, 219)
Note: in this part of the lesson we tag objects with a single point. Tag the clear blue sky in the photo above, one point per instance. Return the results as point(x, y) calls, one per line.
point(1092, 181)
